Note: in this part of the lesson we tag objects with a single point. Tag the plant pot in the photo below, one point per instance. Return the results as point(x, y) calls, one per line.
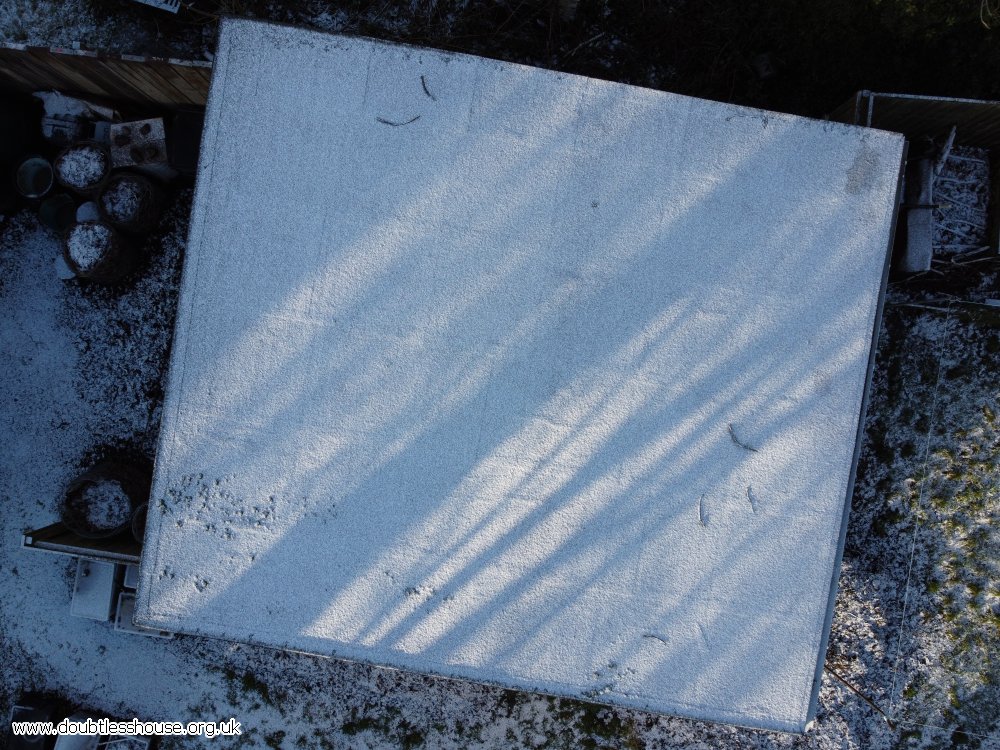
point(101, 503)
point(131, 203)
point(83, 167)
point(94, 250)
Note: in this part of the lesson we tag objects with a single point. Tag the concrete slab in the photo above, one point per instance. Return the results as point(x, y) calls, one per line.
point(504, 374)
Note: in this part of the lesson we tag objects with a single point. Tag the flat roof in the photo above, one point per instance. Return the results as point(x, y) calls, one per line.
point(505, 374)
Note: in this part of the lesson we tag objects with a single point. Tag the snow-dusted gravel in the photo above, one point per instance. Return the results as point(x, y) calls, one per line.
point(83, 370)
point(917, 617)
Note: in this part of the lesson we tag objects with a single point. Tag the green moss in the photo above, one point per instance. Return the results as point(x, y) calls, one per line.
point(884, 452)
point(885, 521)
point(508, 701)
point(956, 372)
point(322, 740)
point(364, 724)
point(252, 685)
point(961, 501)
point(411, 736)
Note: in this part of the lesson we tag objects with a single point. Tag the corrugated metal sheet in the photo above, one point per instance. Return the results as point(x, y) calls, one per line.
point(847, 112)
point(978, 121)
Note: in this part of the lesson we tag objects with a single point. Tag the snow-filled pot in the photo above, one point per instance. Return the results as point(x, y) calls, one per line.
point(83, 167)
point(95, 250)
point(101, 502)
point(33, 177)
point(131, 202)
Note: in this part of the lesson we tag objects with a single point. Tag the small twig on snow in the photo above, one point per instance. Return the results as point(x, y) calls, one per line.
point(423, 84)
point(744, 446)
point(396, 124)
point(861, 695)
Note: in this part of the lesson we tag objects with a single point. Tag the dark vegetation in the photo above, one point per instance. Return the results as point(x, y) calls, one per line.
point(789, 55)
point(800, 56)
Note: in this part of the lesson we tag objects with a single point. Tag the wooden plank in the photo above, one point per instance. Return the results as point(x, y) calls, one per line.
point(63, 75)
point(206, 75)
point(141, 68)
point(153, 70)
point(190, 76)
point(73, 78)
point(99, 79)
point(129, 87)
point(200, 70)
point(113, 87)
point(10, 81)
point(92, 64)
point(22, 79)
point(141, 88)
point(199, 79)
point(159, 81)
point(27, 69)
point(165, 71)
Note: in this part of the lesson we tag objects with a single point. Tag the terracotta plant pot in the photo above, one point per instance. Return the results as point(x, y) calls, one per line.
point(83, 168)
point(131, 203)
point(94, 250)
point(101, 502)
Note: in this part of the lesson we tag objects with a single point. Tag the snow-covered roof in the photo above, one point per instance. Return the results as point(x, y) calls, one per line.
point(494, 372)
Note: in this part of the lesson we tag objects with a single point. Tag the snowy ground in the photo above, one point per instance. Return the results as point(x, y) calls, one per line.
point(918, 615)
point(83, 366)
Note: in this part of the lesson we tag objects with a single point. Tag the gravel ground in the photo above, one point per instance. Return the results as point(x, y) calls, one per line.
point(917, 617)
point(86, 365)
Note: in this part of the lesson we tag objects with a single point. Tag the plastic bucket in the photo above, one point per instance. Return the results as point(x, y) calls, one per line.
point(34, 177)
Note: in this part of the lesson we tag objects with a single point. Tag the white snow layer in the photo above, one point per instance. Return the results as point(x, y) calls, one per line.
point(499, 373)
